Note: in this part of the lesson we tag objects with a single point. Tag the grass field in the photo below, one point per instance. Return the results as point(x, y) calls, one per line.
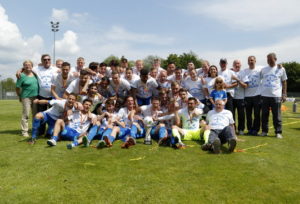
point(267, 171)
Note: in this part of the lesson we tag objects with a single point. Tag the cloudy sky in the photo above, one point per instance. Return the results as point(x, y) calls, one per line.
point(94, 29)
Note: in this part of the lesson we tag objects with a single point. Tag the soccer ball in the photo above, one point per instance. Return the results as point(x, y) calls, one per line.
point(148, 121)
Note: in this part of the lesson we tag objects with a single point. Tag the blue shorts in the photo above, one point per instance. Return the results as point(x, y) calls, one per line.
point(143, 101)
point(48, 119)
point(69, 134)
point(123, 133)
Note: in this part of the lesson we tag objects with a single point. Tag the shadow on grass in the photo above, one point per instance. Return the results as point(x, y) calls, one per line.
point(11, 132)
point(297, 117)
point(296, 129)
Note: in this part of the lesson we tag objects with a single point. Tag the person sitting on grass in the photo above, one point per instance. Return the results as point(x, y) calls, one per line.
point(130, 126)
point(218, 92)
point(76, 124)
point(187, 123)
point(106, 120)
point(59, 109)
point(221, 126)
point(157, 130)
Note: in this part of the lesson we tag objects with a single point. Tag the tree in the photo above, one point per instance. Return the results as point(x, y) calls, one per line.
point(293, 73)
point(183, 59)
point(172, 58)
point(110, 58)
point(8, 84)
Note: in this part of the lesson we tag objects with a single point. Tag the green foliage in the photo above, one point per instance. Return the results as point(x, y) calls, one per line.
point(183, 59)
point(293, 74)
point(8, 84)
point(110, 58)
point(265, 172)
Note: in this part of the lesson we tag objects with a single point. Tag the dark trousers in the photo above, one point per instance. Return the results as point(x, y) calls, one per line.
point(41, 108)
point(229, 104)
point(253, 105)
point(239, 105)
point(224, 135)
point(273, 103)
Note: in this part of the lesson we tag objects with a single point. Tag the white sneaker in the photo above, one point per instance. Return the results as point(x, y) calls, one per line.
point(51, 142)
point(241, 132)
point(25, 134)
point(279, 136)
point(264, 134)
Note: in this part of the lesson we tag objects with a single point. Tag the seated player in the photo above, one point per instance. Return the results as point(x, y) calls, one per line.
point(156, 130)
point(58, 109)
point(77, 123)
point(106, 120)
point(187, 122)
point(130, 127)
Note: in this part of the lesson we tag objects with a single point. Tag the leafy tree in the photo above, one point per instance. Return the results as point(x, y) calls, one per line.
point(8, 84)
point(110, 58)
point(183, 59)
point(171, 58)
point(293, 74)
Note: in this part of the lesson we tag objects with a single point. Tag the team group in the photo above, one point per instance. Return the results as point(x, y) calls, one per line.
point(108, 102)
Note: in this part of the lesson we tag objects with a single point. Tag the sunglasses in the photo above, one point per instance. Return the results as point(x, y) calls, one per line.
point(47, 59)
point(219, 82)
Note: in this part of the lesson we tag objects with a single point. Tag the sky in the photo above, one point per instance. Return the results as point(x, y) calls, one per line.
point(213, 29)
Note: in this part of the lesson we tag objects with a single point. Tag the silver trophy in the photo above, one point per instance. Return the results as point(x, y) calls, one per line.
point(148, 121)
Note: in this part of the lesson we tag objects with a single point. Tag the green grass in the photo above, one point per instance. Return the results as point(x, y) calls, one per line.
point(266, 172)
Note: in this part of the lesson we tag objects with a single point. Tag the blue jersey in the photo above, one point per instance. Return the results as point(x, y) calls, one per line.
point(218, 95)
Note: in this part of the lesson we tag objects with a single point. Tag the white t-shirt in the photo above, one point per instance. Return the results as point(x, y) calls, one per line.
point(57, 109)
point(44, 76)
point(79, 121)
point(173, 78)
point(123, 115)
point(147, 111)
point(187, 122)
point(104, 121)
point(134, 79)
point(74, 86)
point(166, 84)
point(254, 81)
point(145, 90)
point(75, 70)
point(160, 69)
point(200, 72)
point(239, 91)
point(227, 74)
point(272, 78)
point(57, 81)
point(135, 71)
point(219, 120)
point(195, 88)
point(123, 88)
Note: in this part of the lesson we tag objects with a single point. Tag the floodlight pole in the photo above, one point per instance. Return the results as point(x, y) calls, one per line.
point(55, 28)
